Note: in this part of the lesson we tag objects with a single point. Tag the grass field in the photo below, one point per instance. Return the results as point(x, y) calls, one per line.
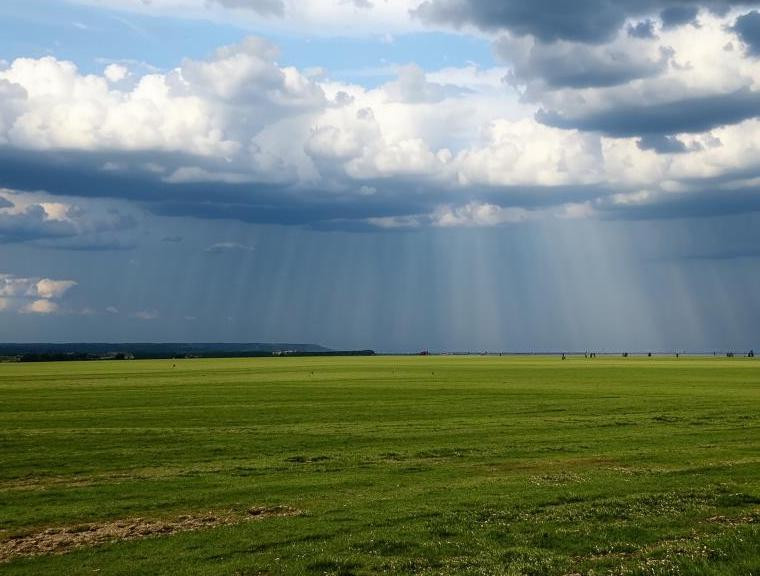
point(391, 465)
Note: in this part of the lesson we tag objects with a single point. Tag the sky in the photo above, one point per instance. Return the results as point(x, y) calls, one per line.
point(452, 175)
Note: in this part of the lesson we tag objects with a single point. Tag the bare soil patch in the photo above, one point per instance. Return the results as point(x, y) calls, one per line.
point(63, 539)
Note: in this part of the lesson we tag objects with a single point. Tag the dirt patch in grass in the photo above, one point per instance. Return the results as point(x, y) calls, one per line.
point(752, 518)
point(60, 540)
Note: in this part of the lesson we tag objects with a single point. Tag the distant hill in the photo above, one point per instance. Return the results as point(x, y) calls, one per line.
point(140, 350)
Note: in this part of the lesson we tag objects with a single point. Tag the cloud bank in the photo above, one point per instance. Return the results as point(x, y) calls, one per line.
point(597, 109)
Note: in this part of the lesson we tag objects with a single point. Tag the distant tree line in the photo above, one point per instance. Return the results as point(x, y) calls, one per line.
point(60, 357)
point(102, 351)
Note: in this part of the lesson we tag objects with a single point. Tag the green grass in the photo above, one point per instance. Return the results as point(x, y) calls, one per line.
point(401, 465)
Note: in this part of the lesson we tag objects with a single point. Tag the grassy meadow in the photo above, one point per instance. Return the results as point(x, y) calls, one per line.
point(395, 465)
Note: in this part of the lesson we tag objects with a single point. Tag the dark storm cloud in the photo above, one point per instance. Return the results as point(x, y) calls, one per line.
point(82, 231)
point(31, 224)
point(748, 28)
point(587, 21)
point(662, 144)
point(674, 16)
point(79, 174)
point(732, 193)
point(691, 115)
point(584, 21)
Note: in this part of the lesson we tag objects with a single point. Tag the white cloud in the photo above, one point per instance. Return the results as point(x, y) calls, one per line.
point(698, 65)
point(48, 289)
point(115, 73)
point(528, 153)
point(240, 119)
point(13, 286)
point(32, 295)
point(40, 307)
point(413, 86)
point(475, 214)
point(471, 215)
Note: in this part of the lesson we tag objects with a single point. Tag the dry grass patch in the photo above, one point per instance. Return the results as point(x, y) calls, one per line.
point(63, 539)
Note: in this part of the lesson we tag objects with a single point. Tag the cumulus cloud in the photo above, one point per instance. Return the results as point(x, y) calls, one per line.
point(115, 72)
point(698, 87)
point(559, 123)
point(588, 21)
point(478, 214)
point(574, 65)
point(40, 307)
point(622, 68)
point(412, 86)
point(48, 289)
point(32, 295)
point(63, 222)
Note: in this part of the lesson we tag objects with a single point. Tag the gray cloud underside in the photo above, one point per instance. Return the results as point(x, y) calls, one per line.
point(81, 231)
point(691, 115)
point(587, 21)
point(31, 225)
point(77, 174)
point(702, 204)
point(662, 144)
point(581, 66)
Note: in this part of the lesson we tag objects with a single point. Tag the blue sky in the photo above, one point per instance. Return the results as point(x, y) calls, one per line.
point(451, 174)
point(93, 37)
